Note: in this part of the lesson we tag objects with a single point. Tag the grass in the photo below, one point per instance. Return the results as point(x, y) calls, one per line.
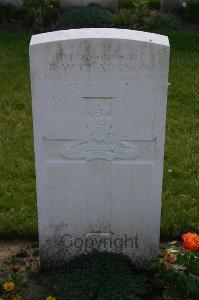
point(17, 176)
point(181, 181)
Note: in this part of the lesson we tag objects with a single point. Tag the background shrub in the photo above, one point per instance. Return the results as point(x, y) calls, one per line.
point(11, 17)
point(46, 15)
point(43, 14)
point(87, 16)
point(131, 14)
point(163, 21)
point(136, 5)
point(192, 11)
point(125, 3)
point(123, 18)
point(154, 4)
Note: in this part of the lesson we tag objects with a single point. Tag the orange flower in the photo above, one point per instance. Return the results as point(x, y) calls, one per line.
point(8, 286)
point(191, 241)
point(16, 267)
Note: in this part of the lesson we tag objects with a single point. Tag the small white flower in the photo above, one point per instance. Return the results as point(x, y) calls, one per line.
point(184, 4)
point(170, 171)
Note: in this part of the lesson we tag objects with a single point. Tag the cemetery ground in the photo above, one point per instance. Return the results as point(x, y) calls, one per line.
point(17, 176)
point(104, 276)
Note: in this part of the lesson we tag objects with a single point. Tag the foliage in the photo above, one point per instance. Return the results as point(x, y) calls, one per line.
point(44, 14)
point(144, 15)
point(139, 7)
point(124, 18)
point(178, 269)
point(192, 11)
point(88, 16)
point(11, 18)
point(125, 4)
point(12, 282)
point(131, 14)
point(6, 13)
point(158, 20)
point(139, 4)
point(100, 276)
point(154, 4)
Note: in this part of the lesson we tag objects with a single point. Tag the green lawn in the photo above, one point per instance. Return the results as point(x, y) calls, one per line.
point(17, 176)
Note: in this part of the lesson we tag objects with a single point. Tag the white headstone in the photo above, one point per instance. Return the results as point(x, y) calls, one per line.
point(99, 108)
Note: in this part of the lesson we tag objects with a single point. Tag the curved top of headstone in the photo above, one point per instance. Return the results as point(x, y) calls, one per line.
point(99, 33)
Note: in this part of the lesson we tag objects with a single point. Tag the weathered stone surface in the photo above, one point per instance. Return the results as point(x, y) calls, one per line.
point(99, 108)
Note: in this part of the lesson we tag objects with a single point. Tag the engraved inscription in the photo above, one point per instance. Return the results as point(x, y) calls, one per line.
point(86, 58)
point(123, 67)
point(101, 141)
